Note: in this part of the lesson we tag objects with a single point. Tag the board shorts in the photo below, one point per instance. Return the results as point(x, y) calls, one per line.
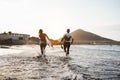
point(67, 43)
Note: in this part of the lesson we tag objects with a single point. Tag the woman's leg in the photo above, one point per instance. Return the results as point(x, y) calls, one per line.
point(41, 47)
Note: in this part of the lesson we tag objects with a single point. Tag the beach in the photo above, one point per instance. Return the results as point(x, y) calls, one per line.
point(85, 62)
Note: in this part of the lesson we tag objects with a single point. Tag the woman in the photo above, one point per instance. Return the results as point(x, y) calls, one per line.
point(43, 41)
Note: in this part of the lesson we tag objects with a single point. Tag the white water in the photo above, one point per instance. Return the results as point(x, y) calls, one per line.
point(86, 61)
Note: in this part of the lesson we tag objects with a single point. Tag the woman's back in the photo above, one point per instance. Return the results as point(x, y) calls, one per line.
point(42, 37)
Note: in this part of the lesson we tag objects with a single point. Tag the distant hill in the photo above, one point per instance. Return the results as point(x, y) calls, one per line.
point(83, 37)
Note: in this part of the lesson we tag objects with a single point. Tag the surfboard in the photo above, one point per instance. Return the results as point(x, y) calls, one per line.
point(48, 42)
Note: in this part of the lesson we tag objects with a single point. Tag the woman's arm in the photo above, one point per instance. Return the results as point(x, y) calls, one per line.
point(47, 36)
point(48, 41)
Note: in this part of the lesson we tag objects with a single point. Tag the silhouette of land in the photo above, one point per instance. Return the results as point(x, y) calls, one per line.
point(83, 37)
point(80, 37)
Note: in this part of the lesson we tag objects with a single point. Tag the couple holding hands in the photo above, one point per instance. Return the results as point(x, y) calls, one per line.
point(66, 40)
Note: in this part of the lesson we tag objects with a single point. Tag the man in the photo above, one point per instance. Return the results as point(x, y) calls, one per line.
point(67, 41)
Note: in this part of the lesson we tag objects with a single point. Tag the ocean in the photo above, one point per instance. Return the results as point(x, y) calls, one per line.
point(85, 62)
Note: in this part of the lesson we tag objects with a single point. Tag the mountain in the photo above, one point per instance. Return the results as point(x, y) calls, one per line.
point(83, 37)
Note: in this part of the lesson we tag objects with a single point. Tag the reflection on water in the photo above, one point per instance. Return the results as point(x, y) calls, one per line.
point(86, 62)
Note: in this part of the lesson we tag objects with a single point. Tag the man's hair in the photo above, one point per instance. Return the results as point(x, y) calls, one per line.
point(68, 30)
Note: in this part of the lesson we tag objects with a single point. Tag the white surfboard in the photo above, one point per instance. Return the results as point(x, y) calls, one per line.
point(48, 42)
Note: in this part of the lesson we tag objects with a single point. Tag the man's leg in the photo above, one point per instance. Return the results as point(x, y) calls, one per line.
point(64, 47)
point(68, 47)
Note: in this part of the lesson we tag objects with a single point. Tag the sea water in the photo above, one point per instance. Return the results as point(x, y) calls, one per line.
point(94, 61)
point(85, 62)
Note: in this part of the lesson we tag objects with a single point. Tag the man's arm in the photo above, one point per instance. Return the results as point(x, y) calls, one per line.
point(72, 41)
point(62, 38)
point(61, 42)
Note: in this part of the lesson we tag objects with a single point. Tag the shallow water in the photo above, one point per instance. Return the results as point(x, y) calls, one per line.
point(85, 62)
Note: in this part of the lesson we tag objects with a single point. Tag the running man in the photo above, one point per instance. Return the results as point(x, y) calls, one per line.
point(67, 41)
point(43, 41)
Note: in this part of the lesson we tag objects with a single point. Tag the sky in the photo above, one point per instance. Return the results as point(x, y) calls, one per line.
point(101, 17)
